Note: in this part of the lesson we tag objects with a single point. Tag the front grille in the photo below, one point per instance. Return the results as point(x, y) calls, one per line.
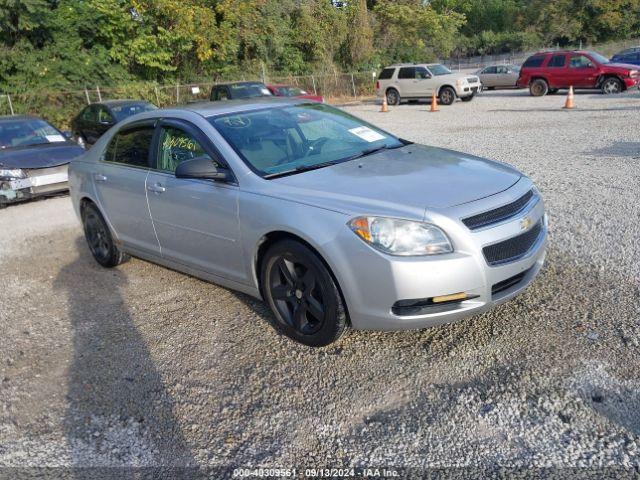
point(499, 214)
point(472, 79)
point(508, 283)
point(513, 248)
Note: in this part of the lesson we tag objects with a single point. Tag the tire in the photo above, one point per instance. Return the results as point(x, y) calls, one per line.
point(99, 238)
point(446, 96)
point(611, 85)
point(538, 88)
point(393, 97)
point(302, 294)
point(467, 99)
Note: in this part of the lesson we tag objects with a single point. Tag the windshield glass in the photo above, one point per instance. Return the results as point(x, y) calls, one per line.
point(276, 140)
point(599, 58)
point(249, 90)
point(291, 91)
point(439, 69)
point(25, 132)
point(123, 111)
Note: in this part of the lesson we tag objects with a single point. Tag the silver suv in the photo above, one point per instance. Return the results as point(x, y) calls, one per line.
point(420, 81)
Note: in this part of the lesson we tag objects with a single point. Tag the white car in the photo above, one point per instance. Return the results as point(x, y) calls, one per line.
point(420, 81)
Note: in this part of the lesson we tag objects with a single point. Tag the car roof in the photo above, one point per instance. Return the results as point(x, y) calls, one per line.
point(209, 109)
point(417, 64)
point(256, 82)
point(7, 118)
point(119, 103)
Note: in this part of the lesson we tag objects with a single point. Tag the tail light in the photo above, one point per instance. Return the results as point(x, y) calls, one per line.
point(377, 84)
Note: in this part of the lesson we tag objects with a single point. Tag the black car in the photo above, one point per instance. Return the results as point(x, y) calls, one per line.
point(95, 119)
point(235, 90)
point(34, 157)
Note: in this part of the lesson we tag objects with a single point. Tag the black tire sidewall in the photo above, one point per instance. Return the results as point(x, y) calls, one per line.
point(544, 86)
point(397, 95)
point(611, 79)
point(335, 321)
point(453, 96)
point(115, 257)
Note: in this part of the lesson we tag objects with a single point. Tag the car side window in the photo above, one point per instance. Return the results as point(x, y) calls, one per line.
point(557, 61)
point(104, 116)
point(490, 70)
point(580, 61)
point(502, 70)
point(175, 147)
point(220, 93)
point(89, 114)
point(422, 73)
point(407, 72)
point(130, 147)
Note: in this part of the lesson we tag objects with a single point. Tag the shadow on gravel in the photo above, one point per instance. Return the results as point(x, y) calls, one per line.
point(119, 411)
point(561, 110)
point(618, 149)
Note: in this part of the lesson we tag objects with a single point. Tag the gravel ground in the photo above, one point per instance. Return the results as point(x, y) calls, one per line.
point(143, 366)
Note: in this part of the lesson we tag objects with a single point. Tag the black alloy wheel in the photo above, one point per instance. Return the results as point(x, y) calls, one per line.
point(99, 238)
point(302, 294)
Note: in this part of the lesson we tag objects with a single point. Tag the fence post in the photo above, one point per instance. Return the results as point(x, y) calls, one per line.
point(99, 94)
point(10, 104)
point(353, 85)
point(155, 88)
point(86, 94)
point(313, 80)
point(177, 92)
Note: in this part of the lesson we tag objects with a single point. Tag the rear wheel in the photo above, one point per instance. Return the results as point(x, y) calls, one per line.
point(393, 97)
point(538, 87)
point(611, 85)
point(302, 295)
point(99, 238)
point(447, 96)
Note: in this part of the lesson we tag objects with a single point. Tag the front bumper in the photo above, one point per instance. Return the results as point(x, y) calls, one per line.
point(467, 89)
point(39, 181)
point(632, 82)
point(375, 282)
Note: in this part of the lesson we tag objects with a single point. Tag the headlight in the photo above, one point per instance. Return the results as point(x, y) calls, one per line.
point(401, 237)
point(633, 73)
point(15, 173)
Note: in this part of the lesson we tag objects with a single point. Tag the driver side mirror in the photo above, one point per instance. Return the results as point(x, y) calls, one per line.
point(202, 168)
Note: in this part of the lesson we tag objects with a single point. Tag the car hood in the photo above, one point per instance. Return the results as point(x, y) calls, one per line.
point(408, 179)
point(39, 156)
point(620, 66)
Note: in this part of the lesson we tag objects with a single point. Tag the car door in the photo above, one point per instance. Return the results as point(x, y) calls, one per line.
point(557, 70)
point(424, 83)
point(406, 81)
point(488, 77)
point(196, 220)
point(504, 77)
point(120, 181)
point(582, 71)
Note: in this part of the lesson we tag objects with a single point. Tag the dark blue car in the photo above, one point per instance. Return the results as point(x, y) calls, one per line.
point(630, 56)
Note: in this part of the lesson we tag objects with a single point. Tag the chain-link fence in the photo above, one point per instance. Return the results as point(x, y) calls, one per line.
point(59, 107)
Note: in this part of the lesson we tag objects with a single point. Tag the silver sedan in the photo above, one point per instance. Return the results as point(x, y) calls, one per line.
point(331, 220)
point(499, 76)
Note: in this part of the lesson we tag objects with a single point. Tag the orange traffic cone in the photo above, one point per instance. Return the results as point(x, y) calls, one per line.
point(569, 103)
point(434, 103)
point(385, 105)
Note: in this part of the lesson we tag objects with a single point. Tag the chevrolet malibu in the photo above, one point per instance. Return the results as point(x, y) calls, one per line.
point(329, 219)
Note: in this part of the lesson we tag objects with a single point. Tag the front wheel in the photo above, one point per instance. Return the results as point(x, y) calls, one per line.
point(611, 85)
point(99, 238)
point(302, 295)
point(447, 96)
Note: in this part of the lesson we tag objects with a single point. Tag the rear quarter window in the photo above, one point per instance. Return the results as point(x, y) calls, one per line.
point(386, 74)
point(533, 62)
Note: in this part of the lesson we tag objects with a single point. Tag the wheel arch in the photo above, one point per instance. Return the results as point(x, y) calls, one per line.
point(604, 76)
point(275, 236)
point(447, 85)
point(533, 78)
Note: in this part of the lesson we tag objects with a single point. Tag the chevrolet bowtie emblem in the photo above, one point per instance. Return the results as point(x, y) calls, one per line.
point(525, 223)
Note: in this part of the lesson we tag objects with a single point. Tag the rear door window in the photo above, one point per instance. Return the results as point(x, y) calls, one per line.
point(407, 72)
point(131, 147)
point(533, 62)
point(386, 74)
point(557, 61)
point(490, 70)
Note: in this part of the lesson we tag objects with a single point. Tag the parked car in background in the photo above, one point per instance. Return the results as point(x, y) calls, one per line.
point(236, 90)
point(280, 90)
point(34, 157)
point(547, 72)
point(629, 56)
point(499, 76)
point(95, 119)
point(420, 81)
point(329, 219)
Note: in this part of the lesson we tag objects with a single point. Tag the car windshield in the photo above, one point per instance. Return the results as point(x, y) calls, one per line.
point(439, 69)
point(291, 91)
point(598, 58)
point(128, 109)
point(27, 132)
point(249, 90)
point(285, 140)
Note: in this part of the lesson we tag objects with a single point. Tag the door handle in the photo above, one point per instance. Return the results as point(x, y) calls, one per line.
point(98, 177)
point(157, 188)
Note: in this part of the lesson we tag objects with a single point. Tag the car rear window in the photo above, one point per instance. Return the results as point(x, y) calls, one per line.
point(533, 62)
point(386, 74)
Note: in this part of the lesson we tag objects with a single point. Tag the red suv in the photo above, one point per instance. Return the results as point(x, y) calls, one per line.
point(547, 72)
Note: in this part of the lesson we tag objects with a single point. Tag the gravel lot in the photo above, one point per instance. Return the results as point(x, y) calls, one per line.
point(144, 366)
